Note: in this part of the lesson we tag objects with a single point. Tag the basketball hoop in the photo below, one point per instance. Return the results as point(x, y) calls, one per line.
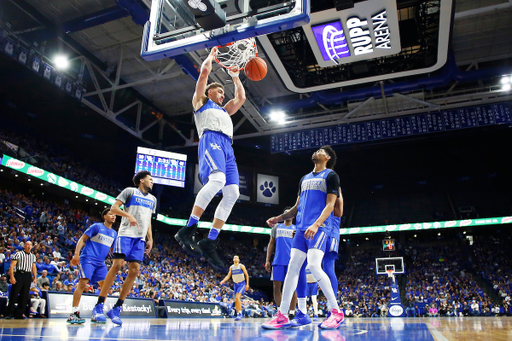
point(391, 274)
point(237, 54)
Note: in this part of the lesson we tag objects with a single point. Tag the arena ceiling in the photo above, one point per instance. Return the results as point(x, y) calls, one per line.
point(151, 100)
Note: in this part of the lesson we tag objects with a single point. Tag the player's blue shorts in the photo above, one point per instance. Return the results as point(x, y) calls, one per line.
point(278, 272)
point(318, 242)
point(239, 288)
point(312, 289)
point(216, 155)
point(333, 244)
point(93, 270)
point(130, 249)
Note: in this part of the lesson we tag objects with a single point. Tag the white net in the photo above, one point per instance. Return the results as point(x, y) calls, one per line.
point(237, 53)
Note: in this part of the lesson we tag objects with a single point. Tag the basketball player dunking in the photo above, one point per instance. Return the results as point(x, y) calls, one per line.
point(240, 277)
point(217, 165)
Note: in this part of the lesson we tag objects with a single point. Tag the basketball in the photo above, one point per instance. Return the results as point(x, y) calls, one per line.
point(256, 69)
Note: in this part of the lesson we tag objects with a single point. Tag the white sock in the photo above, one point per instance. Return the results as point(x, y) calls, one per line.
point(302, 304)
point(315, 304)
point(315, 257)
point(292, 312)
point(297, 258)
point(75, 309)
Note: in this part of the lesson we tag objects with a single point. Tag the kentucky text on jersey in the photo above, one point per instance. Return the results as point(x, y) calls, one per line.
point(284, 239)
point(314, 184)
point(141, 202)
point(101, 239)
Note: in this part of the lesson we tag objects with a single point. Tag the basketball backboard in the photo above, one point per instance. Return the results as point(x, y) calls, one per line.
point(382, 265)
point(173, 29)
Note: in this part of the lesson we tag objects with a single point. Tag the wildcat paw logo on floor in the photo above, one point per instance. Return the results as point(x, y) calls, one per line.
point(268, 189)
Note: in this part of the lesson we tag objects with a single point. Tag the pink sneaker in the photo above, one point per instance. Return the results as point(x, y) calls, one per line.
point(278, 322)
point(333, 321)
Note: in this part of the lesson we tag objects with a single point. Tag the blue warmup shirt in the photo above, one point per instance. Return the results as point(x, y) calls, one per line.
point(313, 195)
point(284, 240)
point(101, 239)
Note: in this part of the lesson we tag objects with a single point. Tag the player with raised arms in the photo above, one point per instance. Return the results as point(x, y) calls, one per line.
point(238, 273)
point(315, 203)
point(217, 164)
point(96, 242)
point(139, 206)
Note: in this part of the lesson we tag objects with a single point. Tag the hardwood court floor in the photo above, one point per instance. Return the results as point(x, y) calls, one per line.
point(392, 329)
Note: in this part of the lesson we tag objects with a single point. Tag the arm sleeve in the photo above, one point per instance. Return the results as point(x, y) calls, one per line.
point(154, 207)
point(125, 195)
point(273, 233)
point(333, 183)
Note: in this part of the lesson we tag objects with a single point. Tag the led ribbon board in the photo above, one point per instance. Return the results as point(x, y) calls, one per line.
point(43, 175)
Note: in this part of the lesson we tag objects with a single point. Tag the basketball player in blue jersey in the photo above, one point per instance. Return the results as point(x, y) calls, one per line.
point(240, 277)
point(217, 165)
point(281, 239)
point(315, 203)
point(97, 242)
point(139, 206)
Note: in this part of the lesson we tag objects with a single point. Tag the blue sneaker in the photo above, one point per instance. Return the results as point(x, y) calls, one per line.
point(238, 317)
point(315, 318)
point(97, 314)
point(114, 314)
point(300, 319)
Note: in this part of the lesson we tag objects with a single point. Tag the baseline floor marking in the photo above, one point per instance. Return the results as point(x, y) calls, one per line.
point(76, 337)
point(436, 333)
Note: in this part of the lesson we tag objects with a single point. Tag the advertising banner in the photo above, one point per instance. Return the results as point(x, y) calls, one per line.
point(192, 309)
point(60, 305)
point(39, 173)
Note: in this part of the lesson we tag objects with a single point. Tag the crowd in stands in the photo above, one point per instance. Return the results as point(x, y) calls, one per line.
point(495, 264)
point(52, 157)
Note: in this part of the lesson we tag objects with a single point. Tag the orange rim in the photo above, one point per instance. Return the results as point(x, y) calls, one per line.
point(228, 44)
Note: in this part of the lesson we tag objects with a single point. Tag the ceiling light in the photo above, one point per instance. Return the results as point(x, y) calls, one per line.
point(415, 236)
point(505, 80)
point(282, 121)
point(439, 234)
point(16, 175)
point(277, 115)
point(29, 179)
point(61, 62)
point(506, 87)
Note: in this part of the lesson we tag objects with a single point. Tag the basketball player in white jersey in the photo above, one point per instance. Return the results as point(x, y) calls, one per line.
point(240, 277)
point(217, 165)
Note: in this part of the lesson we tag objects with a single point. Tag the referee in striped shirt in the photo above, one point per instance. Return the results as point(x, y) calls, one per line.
point(26, 272)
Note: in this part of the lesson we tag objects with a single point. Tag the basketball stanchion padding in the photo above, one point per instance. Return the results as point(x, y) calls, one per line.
point(256, 69)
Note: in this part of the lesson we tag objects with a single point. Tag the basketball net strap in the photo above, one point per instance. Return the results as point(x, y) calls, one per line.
point(237, 54)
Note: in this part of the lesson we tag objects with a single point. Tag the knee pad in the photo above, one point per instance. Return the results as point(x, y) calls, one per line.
point(216, 182)
point(230, 194)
